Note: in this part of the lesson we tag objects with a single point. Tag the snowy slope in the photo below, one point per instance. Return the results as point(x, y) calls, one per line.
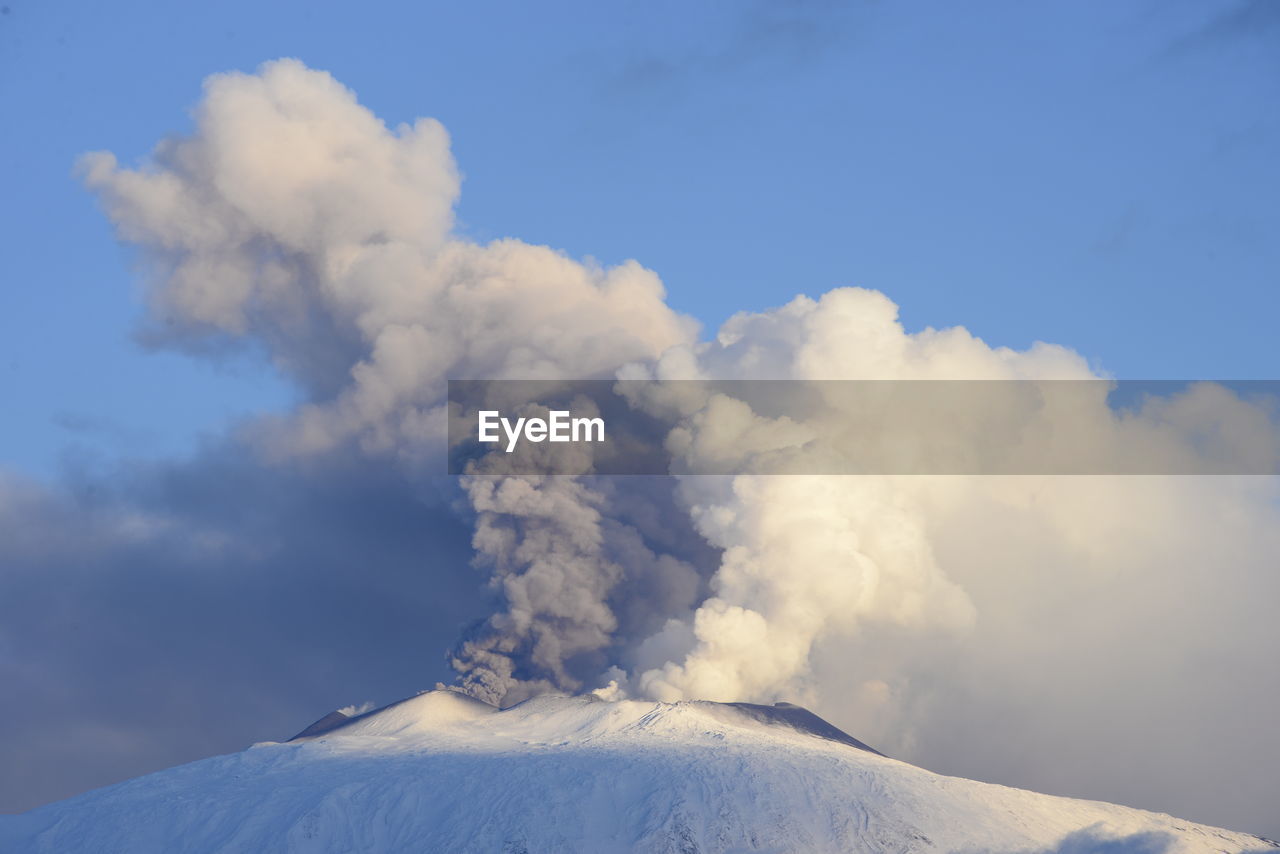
point(444, 773)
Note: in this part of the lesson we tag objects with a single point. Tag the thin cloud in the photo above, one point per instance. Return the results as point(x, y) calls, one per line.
point(791, 35)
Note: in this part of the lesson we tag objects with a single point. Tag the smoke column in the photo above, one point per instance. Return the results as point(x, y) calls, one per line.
point(294, 222)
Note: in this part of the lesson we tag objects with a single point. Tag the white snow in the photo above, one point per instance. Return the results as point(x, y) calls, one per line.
point(444, 773)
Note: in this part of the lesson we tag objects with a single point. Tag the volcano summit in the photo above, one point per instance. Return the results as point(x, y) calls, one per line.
point(442, 772)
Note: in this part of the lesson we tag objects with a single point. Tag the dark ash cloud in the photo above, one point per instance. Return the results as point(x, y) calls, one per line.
point(161, 613)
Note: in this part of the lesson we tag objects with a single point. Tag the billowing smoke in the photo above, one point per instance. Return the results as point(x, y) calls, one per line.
point(546, 547)
point(578, 581)
point(293, 221)
point(819, 560)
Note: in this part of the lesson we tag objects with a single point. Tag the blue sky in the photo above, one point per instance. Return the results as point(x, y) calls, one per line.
point(1100, 175)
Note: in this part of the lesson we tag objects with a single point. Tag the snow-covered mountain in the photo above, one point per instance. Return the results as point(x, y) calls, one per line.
point(441, 772)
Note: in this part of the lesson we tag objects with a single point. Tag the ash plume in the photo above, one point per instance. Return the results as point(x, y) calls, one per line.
point(293, 221)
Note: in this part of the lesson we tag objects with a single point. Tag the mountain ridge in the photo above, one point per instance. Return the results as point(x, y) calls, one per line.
point(444, 772)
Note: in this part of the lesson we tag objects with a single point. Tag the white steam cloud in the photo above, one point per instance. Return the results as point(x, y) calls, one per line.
point(293, 220)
